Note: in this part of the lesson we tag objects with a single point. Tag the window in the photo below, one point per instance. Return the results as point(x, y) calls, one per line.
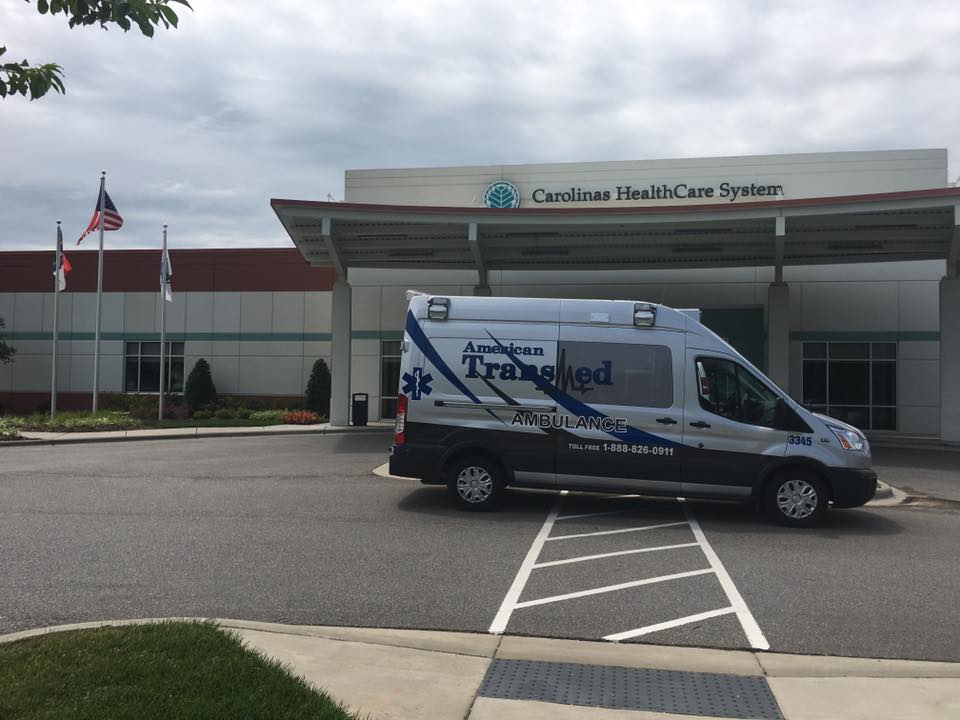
point(142, 367)
point(852, 381)
point(616, 373)
point(728, 390)
point(389, 377)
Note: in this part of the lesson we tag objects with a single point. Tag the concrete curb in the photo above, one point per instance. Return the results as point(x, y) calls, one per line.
point(888, 496)
point(188, 433)
point(743, 662)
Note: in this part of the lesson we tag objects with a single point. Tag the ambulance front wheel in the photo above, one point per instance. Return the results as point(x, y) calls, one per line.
point(796, 497)
point(476, 482)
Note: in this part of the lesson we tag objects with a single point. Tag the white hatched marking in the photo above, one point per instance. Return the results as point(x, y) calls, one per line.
point(616, 637)
point(509, 603)
point(612, 588)
point(747, 621)
point(583, 558)
point(617, 532)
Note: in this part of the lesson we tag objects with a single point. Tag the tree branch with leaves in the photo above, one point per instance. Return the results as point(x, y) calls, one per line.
point(35, 81)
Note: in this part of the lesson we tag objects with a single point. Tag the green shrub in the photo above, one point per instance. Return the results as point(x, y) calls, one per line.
point(202, 415)
point(267, 416)
point(224, 413)
point(77, 422)
point(317, 397)
point(8, 430)
point(242, 413)
point(199, 390)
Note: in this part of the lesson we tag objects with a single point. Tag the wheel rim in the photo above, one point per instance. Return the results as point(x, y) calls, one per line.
point(797, 499)
point(474, 484)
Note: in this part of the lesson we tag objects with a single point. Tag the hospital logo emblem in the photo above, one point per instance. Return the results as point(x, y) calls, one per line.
point(416, 384)
point(502, 195)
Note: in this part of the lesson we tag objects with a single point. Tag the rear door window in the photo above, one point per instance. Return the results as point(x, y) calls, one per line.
point(616, 373)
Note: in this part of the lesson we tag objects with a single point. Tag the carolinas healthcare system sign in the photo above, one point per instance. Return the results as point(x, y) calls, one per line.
point(503, 194)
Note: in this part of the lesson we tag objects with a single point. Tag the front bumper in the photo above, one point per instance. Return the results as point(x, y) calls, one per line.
point(852, 487)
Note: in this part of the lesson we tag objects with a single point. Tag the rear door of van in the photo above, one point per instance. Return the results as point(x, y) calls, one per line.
point(478, 381)
point(621, 398)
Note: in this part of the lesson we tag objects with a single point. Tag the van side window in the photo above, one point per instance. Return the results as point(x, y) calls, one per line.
point(731, 391)
point(616, 373)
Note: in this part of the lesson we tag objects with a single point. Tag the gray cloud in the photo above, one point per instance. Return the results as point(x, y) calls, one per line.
point(200, 126)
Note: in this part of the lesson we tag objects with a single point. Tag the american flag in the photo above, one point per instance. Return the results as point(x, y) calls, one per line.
point(111, 218)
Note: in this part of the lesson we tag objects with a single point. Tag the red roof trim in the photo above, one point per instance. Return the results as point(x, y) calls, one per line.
point(194, 270)
point(946, 193)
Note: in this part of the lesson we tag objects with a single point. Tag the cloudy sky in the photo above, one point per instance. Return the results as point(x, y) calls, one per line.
point(200, 126)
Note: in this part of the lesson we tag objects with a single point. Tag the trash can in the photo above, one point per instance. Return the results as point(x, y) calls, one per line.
point(361, 401)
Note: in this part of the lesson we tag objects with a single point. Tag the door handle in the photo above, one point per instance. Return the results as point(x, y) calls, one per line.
point(700, 424)
point(666, 421)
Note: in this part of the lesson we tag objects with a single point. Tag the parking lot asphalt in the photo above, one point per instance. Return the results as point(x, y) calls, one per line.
point(298, 530)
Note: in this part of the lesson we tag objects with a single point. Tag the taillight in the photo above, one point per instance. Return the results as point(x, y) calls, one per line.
point(401, 423)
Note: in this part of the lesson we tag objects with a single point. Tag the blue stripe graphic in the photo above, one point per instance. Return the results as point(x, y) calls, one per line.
point(430, 352)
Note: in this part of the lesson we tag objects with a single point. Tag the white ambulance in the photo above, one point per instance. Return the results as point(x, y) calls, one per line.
point(611, 396)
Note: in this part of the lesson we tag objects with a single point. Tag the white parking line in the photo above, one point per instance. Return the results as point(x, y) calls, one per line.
point(509, 603)
point(617, 637)
point(747, 621)
point(597, 514)
point(612, 588)
point(582, 558)
point(617, 532)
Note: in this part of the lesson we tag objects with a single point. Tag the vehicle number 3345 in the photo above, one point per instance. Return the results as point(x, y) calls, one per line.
point(799, 440)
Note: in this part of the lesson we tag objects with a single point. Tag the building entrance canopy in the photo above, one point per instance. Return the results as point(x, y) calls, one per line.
point(879, 227)
point(908, 225)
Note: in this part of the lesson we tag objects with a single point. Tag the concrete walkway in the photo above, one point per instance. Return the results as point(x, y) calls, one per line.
point(401, 674)
point(54, 438)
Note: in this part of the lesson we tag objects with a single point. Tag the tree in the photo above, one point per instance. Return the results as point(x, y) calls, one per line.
point(22, 78)
point(6, 352)
point(199, 390)
point(318, 389)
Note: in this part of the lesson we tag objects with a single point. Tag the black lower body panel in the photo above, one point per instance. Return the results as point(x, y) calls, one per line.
point(852, 487)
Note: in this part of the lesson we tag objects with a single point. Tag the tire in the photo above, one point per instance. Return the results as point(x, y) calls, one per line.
point(476, 482)
point(796, 497)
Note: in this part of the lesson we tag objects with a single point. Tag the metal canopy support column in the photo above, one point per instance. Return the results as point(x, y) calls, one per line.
point(341, 328)
point(950, 340)
point(483, 282)
point(953, 257)
point(778, 314)
point(340, 354)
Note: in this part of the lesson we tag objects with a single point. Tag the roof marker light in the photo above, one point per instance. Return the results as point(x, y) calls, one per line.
point(644, 314)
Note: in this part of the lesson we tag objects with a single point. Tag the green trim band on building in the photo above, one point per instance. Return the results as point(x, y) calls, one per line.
point(208, 336)
point(177, 336)
point(867, 336)
point(809, 336)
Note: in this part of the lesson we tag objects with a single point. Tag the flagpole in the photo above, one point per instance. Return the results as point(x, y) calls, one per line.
point(163, 319)
point(56, 316)
point(96, 337)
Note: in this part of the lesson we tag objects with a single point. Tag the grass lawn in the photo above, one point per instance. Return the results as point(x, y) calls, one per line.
point(183, 670)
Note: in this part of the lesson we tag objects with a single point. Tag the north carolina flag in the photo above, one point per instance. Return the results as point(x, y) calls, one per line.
point(111, 218)
point(65, 266)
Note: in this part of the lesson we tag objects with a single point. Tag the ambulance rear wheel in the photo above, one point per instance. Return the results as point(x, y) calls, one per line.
point(476, 482)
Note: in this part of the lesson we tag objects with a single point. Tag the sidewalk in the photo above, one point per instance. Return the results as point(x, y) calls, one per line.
point(407, 674)
point(52, 438)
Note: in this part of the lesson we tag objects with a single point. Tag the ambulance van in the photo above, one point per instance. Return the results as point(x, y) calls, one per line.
point(609, 396)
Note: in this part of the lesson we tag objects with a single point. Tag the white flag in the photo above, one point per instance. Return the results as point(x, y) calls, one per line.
point(166, 277)
point(61, 272)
